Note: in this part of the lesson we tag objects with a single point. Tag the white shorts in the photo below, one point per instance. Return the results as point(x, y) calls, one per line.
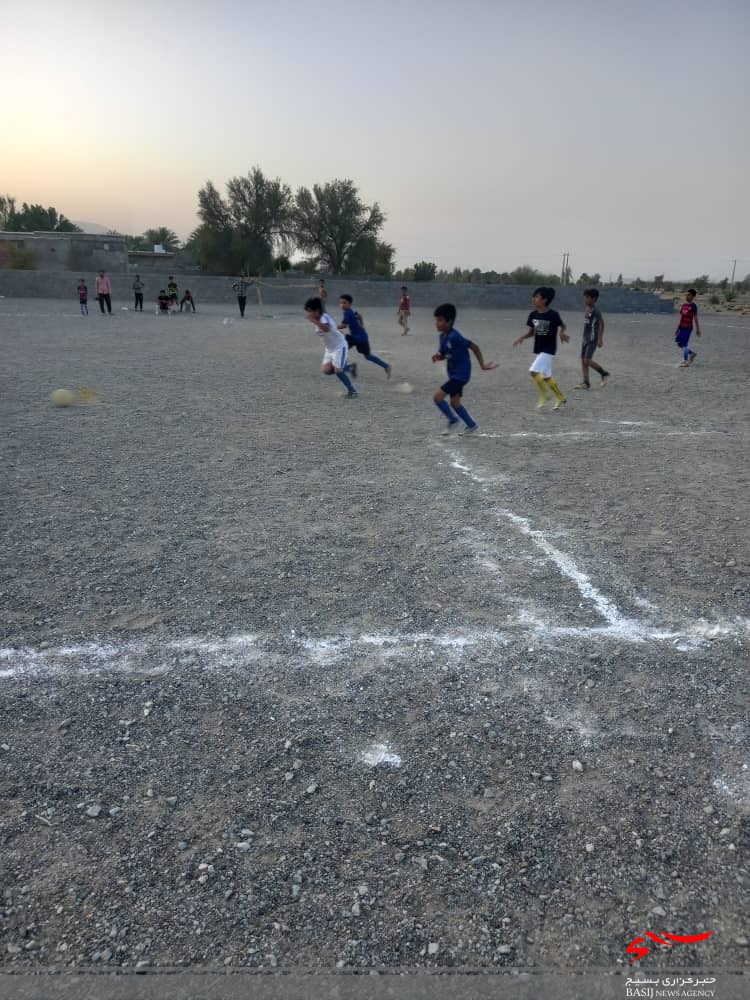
point(337, 357)
point(543, 365)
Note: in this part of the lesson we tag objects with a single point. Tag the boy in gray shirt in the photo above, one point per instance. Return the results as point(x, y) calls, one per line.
point(138, 287)
point(593, 337)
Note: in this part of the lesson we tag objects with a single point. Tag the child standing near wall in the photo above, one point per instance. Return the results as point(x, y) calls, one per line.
point(688, 315)
point(404, 310)
point(83, 297)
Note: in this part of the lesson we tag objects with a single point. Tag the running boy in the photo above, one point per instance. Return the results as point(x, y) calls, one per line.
point(334, 356)
point(357, 336)
point(454, 348)
point(688, 314)
point(593, 337)
point(543, 325)
point(404, 310)
point(83, 297)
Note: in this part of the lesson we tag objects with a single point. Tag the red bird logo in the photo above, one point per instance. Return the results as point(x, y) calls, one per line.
point(636, 946)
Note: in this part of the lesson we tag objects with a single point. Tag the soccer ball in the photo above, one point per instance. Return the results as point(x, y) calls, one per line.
point(62, 397)
point(405, 387)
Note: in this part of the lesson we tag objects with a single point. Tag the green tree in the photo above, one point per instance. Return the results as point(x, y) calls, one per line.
point(34, 218)
point(700, 284)
point(162, 236)
point(424, 271)
point(260, 212)
point(371, 256)
point(619, 282)
point(330, 221)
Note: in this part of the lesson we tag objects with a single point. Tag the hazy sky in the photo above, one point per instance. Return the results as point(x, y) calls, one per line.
point(491, 132)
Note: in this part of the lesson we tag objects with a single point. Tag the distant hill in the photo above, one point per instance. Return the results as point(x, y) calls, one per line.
point(92, 227)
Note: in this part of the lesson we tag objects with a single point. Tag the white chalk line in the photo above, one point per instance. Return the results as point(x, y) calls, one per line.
point(594, 435)
point(618, 626)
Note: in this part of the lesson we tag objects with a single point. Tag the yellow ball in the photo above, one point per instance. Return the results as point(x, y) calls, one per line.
point(63, 397)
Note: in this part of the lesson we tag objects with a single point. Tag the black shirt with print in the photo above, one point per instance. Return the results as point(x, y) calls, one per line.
point(545, 326)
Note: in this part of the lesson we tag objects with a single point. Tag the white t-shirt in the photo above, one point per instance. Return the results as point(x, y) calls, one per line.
point(332, 338)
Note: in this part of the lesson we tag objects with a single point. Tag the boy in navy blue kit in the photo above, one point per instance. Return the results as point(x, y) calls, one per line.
point(454, 348)
point(688, 315)
point(543, 325)
point(357, 336)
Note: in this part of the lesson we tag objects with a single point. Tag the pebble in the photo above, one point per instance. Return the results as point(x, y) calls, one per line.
point(659, 911)
point(708, 810)
point(94, 811)
point(577, 765)
point(311, 789)
point(172, 800)
point(356, 909)
point(741, 941)
point(589, 848)
point(433, 948)
point(504, 949)
point(244, 845)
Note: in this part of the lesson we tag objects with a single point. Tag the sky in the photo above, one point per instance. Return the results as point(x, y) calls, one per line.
point(492, 133)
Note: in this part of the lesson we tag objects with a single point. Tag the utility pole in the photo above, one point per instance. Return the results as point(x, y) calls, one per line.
point(734, 268)
point(565, 268)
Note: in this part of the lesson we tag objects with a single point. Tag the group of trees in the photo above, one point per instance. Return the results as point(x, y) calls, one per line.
point(32, 218)
point(523, 275)
point(261, 223)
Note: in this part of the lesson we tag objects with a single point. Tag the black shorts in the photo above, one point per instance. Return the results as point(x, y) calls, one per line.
point(173, 297)
point(587, 349)
point(454, 386)
point(363, 346)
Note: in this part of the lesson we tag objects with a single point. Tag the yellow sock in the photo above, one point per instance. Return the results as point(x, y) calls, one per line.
point(541, 386)
point(555, 388)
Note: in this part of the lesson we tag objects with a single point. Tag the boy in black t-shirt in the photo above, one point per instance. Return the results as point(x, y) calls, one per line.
point(543, 325)
point(593, 337)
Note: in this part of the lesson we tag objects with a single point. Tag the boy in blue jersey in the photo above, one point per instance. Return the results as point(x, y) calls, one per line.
point(357, 336)
point(543, 325)
point(454, 348)
point(335, 353)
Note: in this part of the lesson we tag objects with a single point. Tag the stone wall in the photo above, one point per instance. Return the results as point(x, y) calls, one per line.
point(293, 291)
point(56, 252)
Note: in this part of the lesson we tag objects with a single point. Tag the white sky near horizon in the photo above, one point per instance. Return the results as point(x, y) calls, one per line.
point(493, 133)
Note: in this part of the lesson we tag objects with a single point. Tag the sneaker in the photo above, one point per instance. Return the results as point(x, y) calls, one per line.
point(692, 357)
point(451, 429)
point(351, 395)
point(542, 401)
point(582, 385)
point(352, 369)
point(559, 403)
point(387, 371)
point(605, 378)
point(684, 364)
point(468, 431)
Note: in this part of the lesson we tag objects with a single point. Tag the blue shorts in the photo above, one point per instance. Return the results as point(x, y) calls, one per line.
point(683, 335)
point(454, 386)
point(363, 346)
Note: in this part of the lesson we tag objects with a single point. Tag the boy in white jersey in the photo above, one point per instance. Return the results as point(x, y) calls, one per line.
point(336, 350)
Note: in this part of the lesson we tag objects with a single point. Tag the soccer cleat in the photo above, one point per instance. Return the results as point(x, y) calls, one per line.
point(542, 401)
point(468, 431)
point(451, 429)
point(351, 395)
point(692, 357)
point(387, 371)
point(684, 364)
point(582, 385)
point(352, 369)
point(605, 377)
point(559, 403)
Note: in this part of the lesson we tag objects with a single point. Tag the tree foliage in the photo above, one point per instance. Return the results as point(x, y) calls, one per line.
point(331, 222)
point(33, 218)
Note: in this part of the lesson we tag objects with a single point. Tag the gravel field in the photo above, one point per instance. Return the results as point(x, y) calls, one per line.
point(289, 680)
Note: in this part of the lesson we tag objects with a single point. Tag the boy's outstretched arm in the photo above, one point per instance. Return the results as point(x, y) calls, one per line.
point(524, 336)
point(486, 366)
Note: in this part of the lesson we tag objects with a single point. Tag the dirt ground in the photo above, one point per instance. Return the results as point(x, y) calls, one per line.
point(291, 680)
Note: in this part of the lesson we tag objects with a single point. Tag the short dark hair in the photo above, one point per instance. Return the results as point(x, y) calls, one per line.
point(314, 305)
point(691, 290)
point(161, 291)
point(546, 292)
point(347, 297)
point(403, 288)
point(593, 293)
point(446, 311)
point(322, 281)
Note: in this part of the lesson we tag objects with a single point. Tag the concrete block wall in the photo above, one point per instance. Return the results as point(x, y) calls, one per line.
point(293, 291)
point(56, 252)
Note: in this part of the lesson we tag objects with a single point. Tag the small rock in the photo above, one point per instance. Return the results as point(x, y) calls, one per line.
point(577, 765)
point(114, 811)
point(659, 911)
point(172, 800)
point(311, 789)
point(13, 949)
point(504, 949)
point(94, 811)
point(244, 845)
point(741, 941)
point(182, 845)
point(356, 909)
point(708, 810)
point(589, 848)
point(5, 746)
point(433, 948)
